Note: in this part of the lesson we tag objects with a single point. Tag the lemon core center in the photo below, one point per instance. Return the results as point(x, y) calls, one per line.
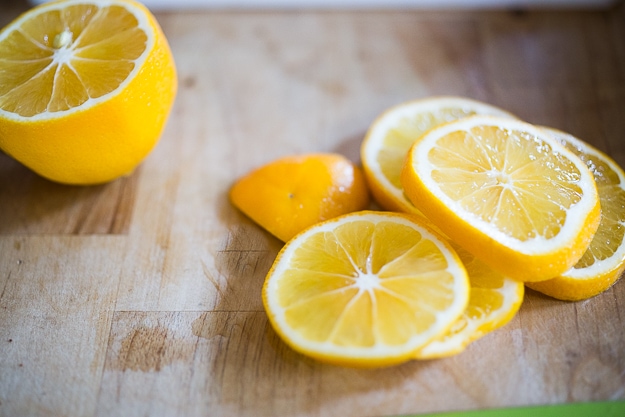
point(499, 177)
point(367, 282)
point(63, 39)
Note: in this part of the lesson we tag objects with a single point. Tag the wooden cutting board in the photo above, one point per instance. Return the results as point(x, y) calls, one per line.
point(141, 297)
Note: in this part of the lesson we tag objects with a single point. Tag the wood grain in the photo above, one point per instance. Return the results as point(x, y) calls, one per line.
point(142, 296)
point(34, 205)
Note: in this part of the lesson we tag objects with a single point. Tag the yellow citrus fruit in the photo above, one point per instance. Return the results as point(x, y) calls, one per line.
point(604, 261)
point(365, 289)
point(294, 192)
point(390, 136)
point(87, 86)
point(494, 300)
point(506, 191)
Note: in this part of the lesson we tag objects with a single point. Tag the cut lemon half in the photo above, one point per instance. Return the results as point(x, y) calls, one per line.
point(87, 86)
point(494, 301)
point(604, 261)
point(365, 289)
point(506, 191)
point(390, 136)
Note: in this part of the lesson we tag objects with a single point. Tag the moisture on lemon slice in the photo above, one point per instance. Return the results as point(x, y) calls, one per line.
point(604, 261)
point(507, 192)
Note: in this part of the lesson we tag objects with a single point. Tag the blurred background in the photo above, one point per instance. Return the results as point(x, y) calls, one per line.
point(438, 4)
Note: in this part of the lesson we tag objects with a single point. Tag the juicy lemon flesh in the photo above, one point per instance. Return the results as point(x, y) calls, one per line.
point(494, 300)
point(603, 262)
point(62, 58)
point(365, 284)
point(486, 284)
point(398, 140)
point(611, 231)
point(507, 178)
point(483, 302)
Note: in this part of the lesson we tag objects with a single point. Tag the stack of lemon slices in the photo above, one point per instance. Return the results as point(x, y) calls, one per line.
point(479, 205)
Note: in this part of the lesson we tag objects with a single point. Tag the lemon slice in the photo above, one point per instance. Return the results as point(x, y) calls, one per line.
point(494, 301)
point(365, 289)
point(506, 191)
point(87, 86)
point(604, 261)
point(390, 136)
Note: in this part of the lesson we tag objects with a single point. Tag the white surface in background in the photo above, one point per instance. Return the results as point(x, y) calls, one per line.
point(355, 4)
